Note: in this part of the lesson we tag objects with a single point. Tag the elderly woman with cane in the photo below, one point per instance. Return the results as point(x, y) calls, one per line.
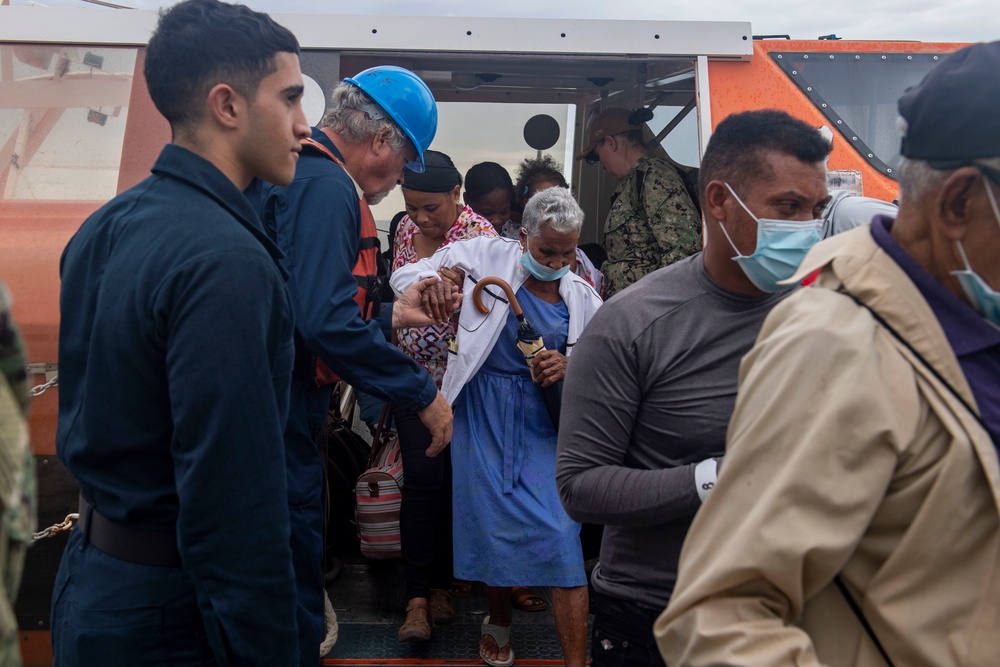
point(509, 525)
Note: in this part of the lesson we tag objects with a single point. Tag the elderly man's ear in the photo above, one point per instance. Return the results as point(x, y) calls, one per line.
point(959, 203)
point(380, 142)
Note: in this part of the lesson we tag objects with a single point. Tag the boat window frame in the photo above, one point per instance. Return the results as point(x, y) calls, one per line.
point(795, 64)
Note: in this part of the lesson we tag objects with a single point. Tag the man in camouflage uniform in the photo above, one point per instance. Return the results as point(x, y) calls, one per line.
point(653, 220)
point(17, 478)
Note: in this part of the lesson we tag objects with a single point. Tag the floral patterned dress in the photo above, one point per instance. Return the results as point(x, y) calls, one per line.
point(428, 346)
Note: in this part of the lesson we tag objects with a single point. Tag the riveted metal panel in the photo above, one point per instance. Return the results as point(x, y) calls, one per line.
point(718, 39)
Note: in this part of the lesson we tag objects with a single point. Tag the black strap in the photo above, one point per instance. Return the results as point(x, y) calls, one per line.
point(157, 548)
point(861, 618)
point(926, 364)
point(689, 179)
point(373, 297)
point(381, 438)
point(640, 185)
point(499, 297)
point(640, 182)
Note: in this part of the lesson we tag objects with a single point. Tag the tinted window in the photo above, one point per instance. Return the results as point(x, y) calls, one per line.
point(857, 92)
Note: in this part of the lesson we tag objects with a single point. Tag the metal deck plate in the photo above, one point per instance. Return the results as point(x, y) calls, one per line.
point(370, 604)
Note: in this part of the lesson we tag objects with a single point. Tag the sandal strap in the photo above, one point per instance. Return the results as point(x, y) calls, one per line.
point(438, 601)
point(417, 605)
point(500, 634)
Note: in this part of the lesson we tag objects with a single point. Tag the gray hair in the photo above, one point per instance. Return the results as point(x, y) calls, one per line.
point(918, 178)
point(554, 208)
point(356, 117)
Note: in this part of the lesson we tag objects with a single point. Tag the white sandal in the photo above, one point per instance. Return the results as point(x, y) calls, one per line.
point(501, 635)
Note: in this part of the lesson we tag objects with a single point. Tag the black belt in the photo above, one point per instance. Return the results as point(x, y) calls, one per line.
point(134, 545)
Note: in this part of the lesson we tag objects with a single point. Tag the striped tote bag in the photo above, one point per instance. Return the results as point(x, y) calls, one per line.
point(379, 494)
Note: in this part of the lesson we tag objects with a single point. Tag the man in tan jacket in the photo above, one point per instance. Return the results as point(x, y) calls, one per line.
point(856, 520)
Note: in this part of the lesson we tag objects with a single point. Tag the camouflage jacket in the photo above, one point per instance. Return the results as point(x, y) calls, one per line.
point(17, 478)
point(652, 223)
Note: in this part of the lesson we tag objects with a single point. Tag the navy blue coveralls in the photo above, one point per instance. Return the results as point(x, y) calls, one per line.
point(316, 221)
point(175, 355)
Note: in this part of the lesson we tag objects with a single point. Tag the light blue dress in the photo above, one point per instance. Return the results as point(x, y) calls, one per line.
point(510, 528)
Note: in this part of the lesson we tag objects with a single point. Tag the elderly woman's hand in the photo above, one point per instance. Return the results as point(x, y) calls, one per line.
point(548, 367)
point(455, 274)
point(429, 301)
point(441, 299)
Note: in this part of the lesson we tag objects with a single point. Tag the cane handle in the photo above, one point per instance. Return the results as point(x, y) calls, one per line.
point(502, 284)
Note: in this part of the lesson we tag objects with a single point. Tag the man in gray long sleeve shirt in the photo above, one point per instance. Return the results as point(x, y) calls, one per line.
point(648, 396)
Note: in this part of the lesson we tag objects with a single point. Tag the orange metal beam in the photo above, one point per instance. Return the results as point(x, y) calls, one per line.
point(760, 84)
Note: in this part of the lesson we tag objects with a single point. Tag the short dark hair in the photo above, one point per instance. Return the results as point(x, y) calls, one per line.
point(735, 153)
point(201, 43)
point(596, 253)
point(484, 178)
point(538, 170)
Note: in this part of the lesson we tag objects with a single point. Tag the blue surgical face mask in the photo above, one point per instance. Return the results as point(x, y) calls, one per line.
point(540, 271)
point(983, 298)
point(781, 247)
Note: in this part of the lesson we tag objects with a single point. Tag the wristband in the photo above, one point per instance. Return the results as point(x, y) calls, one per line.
point(704, 477)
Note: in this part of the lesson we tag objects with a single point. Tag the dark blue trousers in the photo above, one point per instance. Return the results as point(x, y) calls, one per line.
point(307, 414)
point(110, 613)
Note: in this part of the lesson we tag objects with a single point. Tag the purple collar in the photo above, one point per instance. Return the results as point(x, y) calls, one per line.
point(967, 331)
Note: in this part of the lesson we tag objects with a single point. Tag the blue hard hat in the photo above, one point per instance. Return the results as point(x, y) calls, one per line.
point(407, 100)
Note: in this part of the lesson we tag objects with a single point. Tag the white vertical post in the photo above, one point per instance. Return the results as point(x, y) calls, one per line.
point(703, 99)
point(570, 142)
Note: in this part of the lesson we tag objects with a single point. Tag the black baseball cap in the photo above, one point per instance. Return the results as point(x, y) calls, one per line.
point(953, 115)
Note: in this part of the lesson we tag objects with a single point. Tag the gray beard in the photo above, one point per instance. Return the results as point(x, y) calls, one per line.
point(374, 199)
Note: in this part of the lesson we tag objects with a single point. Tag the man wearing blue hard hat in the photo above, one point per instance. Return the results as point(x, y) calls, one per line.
point(855, 520)
point(380, 121)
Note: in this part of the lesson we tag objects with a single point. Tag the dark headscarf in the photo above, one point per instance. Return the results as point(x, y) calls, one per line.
point(439, 175)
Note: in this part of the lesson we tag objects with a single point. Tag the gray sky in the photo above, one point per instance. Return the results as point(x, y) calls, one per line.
point(923, 20)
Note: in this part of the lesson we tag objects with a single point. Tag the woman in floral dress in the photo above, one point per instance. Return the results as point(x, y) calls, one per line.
point(434, 218)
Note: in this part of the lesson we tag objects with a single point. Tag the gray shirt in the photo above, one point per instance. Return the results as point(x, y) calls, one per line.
point(648, 395)
point(846, 211)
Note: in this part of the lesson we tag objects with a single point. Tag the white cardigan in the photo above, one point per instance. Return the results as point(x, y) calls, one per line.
point(480, 257)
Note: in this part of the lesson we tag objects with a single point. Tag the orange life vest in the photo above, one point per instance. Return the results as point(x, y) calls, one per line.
point(365, 269)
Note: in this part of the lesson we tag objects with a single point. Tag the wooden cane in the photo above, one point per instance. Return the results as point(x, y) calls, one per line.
point(477, 297)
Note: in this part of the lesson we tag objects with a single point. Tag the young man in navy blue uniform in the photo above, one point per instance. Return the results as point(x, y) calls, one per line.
point(176, 354)
point(379, 121)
